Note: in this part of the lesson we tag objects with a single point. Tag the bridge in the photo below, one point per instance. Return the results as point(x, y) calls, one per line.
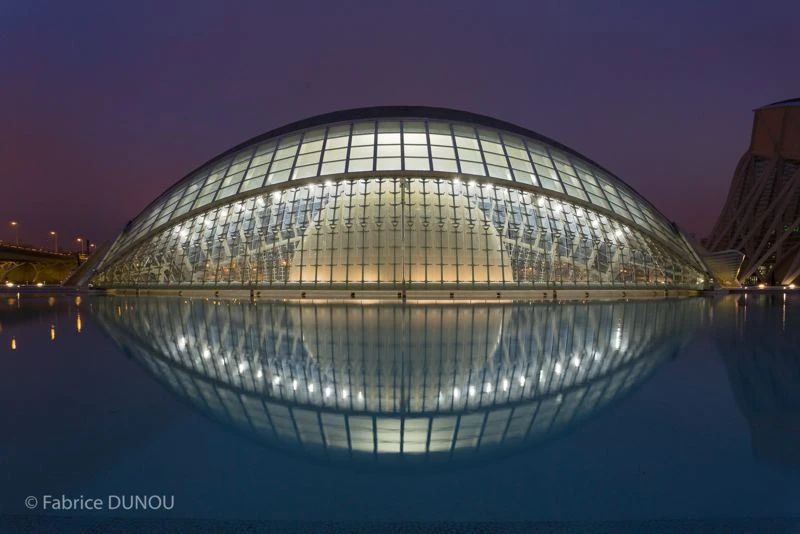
point(28, 265)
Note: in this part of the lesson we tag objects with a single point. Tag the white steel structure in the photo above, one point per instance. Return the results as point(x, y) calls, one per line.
point(400, 197)
point(761, 216)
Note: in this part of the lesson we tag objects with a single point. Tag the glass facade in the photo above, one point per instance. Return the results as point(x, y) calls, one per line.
point(384, 203)
point(382, 382)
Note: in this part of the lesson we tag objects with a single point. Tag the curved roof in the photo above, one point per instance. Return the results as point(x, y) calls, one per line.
point(400, 140)
point(792, 102)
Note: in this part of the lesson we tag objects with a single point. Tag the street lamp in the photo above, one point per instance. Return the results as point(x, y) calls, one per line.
point(55, 239)
point(83, 244)
point(15, 226)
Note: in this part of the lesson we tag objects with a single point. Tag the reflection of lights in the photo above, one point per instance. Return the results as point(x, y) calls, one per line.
point(242, 367)
point(259, 373)
point(761, 286)
point(294, 385)
point(456, 393)
point(311, 388)
point(522, 381)
point(361, 395)
point(327, 391)
point(78, 324)
point(576, 362)
point(505, 384)
point(472, 183)
point(472, 391)
point(558, 368)
point(488, 387)
point(39, 284)
point(206, 353)
point(344, 393)
point(618, 338)
point(182, 343)
point(9, 284)
point(276, 380)
point(52, 332)
point(13, 343)
point(276, 196)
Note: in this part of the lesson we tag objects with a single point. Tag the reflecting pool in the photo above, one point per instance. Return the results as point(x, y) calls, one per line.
point(671, 410)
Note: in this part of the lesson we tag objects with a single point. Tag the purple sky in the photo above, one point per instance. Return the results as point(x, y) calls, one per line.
point(104, 105)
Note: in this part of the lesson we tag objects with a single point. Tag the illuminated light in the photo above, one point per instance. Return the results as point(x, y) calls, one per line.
point(541, 375)
point(294, 385)
point(259, 373)
point(344, 393)
point(791, 286)
point(276, 380)
point(311, 388)
point(9, 284)
point(78, 323)
point(473, 183)
point(505, 384)
point(182, 343)
point(13, 343)
point(242, 367)
point(328, 183)
point(596, 356)
point(39, 284)
point(441, 396)
point(361, 395)
point(456, 393)
point(761, 286)
point(52, 332)
point(327, 391)
point(576, 362)
point(488, 387)
point(522, 381)
point(472, 391)
point(206, 353)
point(558, 368)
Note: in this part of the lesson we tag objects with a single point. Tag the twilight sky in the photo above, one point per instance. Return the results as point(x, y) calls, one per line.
point(103, 105)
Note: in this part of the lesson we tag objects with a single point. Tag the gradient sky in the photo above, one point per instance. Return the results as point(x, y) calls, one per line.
point(103, 105)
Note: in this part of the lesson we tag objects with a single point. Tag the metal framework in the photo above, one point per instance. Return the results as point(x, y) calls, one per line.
point(761, 216)
point(400, 197)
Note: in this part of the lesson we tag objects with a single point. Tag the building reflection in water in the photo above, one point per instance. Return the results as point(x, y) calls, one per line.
point(759, 340)
point(399, 385)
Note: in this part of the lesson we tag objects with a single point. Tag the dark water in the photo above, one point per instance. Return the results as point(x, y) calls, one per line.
point(675, 410)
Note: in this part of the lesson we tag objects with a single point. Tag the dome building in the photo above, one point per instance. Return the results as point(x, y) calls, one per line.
point(400, 197)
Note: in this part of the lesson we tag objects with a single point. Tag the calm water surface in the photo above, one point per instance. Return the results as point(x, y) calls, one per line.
point(669, 410)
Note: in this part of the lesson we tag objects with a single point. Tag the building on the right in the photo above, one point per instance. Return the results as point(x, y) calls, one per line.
point(761, 216)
